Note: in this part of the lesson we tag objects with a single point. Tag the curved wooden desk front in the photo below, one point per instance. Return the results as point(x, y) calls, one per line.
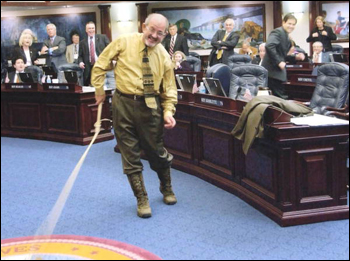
point(295, 175)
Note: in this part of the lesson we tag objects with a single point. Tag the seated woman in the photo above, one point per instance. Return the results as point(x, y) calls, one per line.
point(180, 63)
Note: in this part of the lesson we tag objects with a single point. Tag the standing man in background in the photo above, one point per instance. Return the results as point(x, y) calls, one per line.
point(72, 53)
point(90, 49)
point(278, 48)
point(54, 47)
point(142, 106)
point(224, 43)
point(176, 42)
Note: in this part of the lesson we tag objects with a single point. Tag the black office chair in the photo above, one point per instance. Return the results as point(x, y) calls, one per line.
point(195, 63)
point(247, 76)
point(194, 54)
point(332, 87)
point(337, 48)
point(70, 67)
point(238, 60)
point(223, 73)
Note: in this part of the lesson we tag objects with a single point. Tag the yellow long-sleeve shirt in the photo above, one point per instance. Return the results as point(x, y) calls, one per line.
point(127, 50)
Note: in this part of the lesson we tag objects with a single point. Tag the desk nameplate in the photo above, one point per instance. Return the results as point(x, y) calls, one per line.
point(215, 101)
point(22, 86)
point(64, 87)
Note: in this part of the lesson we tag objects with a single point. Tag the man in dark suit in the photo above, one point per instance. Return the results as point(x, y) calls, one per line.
point(176, 42)
point(278, 47)
point(89, 50)
point(224, 43)
point(54, 47)
point(19, 65)
point(318, 55)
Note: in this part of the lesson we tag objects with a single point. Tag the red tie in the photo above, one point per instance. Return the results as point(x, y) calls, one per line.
point(92, 51)
point(172, 43)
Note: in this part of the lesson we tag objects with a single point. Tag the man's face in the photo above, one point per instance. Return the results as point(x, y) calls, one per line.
point(262, 52)
point(229, 26)
point(289, 26)
point(51, 31)
point(317, 48)
point(245, 48)
point(75, 39)
point(19, 65)
point(90, 30)
point(154, 32)
point(173, 30)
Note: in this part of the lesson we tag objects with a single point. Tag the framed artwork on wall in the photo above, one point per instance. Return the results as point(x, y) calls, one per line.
point(66, 24)
point(336, 15)
point(199, 24)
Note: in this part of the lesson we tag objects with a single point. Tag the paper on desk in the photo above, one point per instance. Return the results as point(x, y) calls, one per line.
point(318, 120)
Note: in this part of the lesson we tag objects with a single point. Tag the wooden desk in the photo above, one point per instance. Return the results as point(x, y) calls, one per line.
point(301, 87)
point(60, 113)
point(295, 175)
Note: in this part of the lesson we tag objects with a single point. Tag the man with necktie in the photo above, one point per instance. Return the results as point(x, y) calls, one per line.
point(318, 55)
point(19, 65)
point(224, 43)
point(90, 48)
point(54, 47)
point(72, 53)
point(142, 106)
point(176, 42)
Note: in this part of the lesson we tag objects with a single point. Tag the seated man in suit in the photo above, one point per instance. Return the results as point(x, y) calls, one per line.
point(259, 58)
point(176, 42)
point(318, 55)
point(19, 65)
point(90, 49)
point(248, 50)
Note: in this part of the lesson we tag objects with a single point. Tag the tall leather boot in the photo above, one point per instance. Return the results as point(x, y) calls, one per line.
point(165, 187)
point(138, 187)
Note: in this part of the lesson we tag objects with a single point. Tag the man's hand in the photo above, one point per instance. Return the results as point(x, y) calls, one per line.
point(82, 65)
point(100, 98)
point(170, 122)
point(44, 49)
point(282, 65)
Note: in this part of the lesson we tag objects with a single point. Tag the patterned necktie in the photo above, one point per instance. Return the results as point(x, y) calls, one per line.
point(219, 55)
point(92, 51)
point(51, 41)
point(75, 49)
point(17, 80)
point(148, 83)
point(172, 43)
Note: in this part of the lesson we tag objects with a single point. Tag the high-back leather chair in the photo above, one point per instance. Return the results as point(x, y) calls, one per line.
point(247, 76)
point(195, 63)
point(332, 87)
point(238, 60)
point(337, 48)
point(194, 54)
point(70, 67)
point(223, 73)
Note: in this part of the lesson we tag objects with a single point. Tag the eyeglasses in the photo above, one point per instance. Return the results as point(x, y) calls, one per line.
point(152, 30)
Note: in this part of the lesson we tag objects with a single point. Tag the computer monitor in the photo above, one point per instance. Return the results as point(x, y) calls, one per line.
point(71, 77)
point(339, 58)
point(186, 82)
point(214, 87)
point(26, 77)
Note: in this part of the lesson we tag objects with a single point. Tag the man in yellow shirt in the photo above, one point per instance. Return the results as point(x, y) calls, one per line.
point(141, 105)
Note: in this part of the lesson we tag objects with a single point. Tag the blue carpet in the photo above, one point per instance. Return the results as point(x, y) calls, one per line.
point(207, 223)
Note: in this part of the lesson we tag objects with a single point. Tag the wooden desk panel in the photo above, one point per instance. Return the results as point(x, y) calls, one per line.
point(295, 175)
point(53, 115)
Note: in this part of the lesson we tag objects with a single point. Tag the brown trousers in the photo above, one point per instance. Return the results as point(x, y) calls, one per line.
point(137, 128)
